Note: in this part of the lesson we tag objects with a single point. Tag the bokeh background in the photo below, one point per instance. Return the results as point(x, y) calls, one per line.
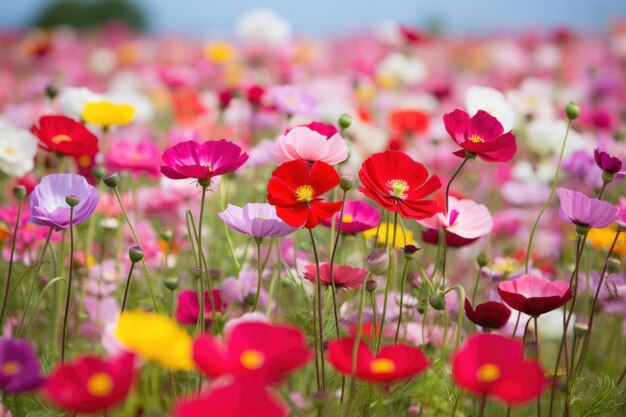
point(322, 17)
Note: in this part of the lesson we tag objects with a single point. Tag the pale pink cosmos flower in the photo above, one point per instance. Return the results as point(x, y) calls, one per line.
point(305, 143)
point(465, 218)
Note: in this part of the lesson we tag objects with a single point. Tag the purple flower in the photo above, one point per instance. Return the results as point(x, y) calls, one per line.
point(292, 100)
point(19, 366)
point(47, 201)
point(581, 210)
point(255, 219)
point(357, 217)
point(607, 163)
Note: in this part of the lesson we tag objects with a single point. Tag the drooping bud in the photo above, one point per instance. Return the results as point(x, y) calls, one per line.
point(112, 179)
point(438, 301)
point(135, 254)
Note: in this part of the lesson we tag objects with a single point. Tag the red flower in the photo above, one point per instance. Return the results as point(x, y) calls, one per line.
point(234, 400)
point(91, 384)
point(534, 295)
point(406, 121)
point(491, 314)
point(494, 365)
point(64, 135)
point(295, 189)
point(254, 95)
point(391, 364)
point(482, 135)
point(399, 184)
point(188, 309)
point(345, 276)
point(255, 353)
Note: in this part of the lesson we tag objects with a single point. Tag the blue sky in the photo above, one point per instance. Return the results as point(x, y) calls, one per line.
point(205, 17)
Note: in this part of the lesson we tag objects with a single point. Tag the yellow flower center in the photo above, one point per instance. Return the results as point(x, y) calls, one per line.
point(84, 161)
point(346, 218)
point(292, 100)
point(60, 138)
point(476, 139)
point(11, 368)
point(261, 218)
point(10, 150)
point(398, 188)
point(488, 373)
point(505, 266)
point(100, 384)
point(305, 193)
point(252, 359)
point(382, 366)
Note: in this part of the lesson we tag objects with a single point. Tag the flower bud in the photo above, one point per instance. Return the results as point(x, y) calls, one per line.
point(580, 329)
point(135, 254)
point(613, 265)
point(165, 234)
point(98, 173)
point(171, 283)
point(482, 260)
point(371, 285)
point(51, 92)
point(438, 301)
point(409, 251)
point(72, 200)
point(345, 120)
point(19, 191)
point(377, 262)
point(346, 183)
point(572, 110)
point(112, 179)
point(320, 399)
point(422, 305)
point(215, 273)
point(196, 272)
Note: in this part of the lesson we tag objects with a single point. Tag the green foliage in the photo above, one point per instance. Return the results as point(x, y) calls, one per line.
point(597, 397)
point(93, 14)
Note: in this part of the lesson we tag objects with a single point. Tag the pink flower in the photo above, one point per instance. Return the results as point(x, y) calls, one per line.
point(534, 295)
point(305, 143)
point(345, 276)
point(202, 160)
point(136, 157)
point(465, 218)
point(188, 309)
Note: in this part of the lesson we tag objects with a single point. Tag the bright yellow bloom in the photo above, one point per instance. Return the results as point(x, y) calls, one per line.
point(157, 338)
point(603, 238)
point(106, 114)
point(219, 52)
point(402, 238)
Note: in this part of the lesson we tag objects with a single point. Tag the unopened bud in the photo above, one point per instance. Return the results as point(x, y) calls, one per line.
point(196, 272)
point(581, 329)
point(215, 273)
point(346, 183)
point(371, 285)
point(613, 265)
point(171, 283)
point(51, 92)
point(166, 234)
point(112, 179)
point(422, 305)
point(72, 200)
point(135, 254)
point(345, 120)
point(482, 259)
point(438, 301)
point(19, 191)
point(377, 262)
point(409, 251)
point(572, 110)
point(320, 399)
point(98, 173)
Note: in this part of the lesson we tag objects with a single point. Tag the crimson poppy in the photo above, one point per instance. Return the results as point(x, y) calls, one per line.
point(66, 136)
point(399, 184)
point(295, 189)
point(493, 365)
point(408, 121)
point(392, 363)
point(490, 315)
point(91, 384)
point(534, 295)
point(343, 275)
point(188, 309)
point(452, 240)
point(481, 135)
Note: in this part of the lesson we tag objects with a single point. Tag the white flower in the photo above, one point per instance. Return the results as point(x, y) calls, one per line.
point(263, 25)
point(546, 137)
point(405, 69)
point(74, 99)
point(17, 150)
point(493, 102)
point(534, 98)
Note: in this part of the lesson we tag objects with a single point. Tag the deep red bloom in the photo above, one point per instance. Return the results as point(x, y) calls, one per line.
point(205, 160)
point(399, 184)
point(606, 162)
point(225, 97)
point(323, 129)
point(345, 276)
point(91, 384)
point(491, 314)
point(452, 240)
point(234, 400)
point(188, 309)
point(408, 121)
point(295, 189)
point(254, 95)
point(534, 295)
point(256, 353)
point(413, 35)
point(481, 135)
point(392, 363)
point(64, 135)
point(494, 365)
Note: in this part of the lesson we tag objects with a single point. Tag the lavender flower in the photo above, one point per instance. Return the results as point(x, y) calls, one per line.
point(258, 220)
point(581, 210)
point(292, 100)
point(47, 201)
point(19, 366)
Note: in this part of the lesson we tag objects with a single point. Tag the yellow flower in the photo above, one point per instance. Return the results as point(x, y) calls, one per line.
point(105, 113)
point(219, 52)
point(402, 238)
point(603, 238)
point(157, 338)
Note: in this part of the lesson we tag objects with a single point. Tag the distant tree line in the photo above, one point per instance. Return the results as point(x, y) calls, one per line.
point(91, 14)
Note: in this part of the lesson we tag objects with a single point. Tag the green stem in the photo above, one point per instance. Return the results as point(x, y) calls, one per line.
point(318, 292)
point(8, 283)
point(355, 349)
point(69, 287)
point(402, 281)
point(130, 274)
point(388, 283)
point(259, 273)
point(452, 179)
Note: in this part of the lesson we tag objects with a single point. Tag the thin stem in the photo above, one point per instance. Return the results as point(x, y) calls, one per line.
point(388, 283)
point(373, 333)
point(402, 282)
point(355, 348)
point(452, 179)
point(320, 324)
point(8, 283)
point(205, 267)
point(547, 203)
point(483, 403)
point(621, 378)
point(69, 286)
point(537, 357)
point(259, 272)
point(332, 272)
point(130, 274)
point(476, 287)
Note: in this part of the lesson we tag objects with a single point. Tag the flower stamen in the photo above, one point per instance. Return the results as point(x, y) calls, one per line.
point(305, 193)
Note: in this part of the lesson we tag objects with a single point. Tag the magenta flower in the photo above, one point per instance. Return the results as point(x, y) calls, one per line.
point(47, 201)
point(188, 309)
point(581, 210)
point(606, 162)
point(206, 160)
point(534, 295)
point(306, 143)
point(136, 157)
point(482, 136)
point(254, 219)
point(357, 217)
point(19, 366)
point(345, 276)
